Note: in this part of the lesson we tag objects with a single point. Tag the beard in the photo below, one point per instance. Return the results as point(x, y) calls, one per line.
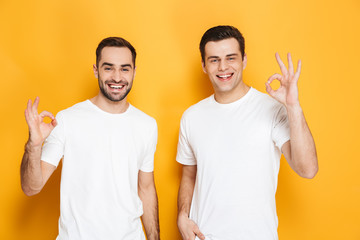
point(114, 97)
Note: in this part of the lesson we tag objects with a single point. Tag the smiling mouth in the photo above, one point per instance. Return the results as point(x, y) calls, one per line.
point(116, 86)
point(225, 77)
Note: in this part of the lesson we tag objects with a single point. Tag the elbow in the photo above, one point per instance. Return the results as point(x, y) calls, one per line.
point(309, 173)
point(29, 191)
point(308, 167)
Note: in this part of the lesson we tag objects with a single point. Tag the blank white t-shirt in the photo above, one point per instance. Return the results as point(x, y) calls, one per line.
point(237, 150)
point(102, 155)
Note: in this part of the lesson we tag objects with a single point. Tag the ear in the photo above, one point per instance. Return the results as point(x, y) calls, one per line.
point(134, 71)
point(96, 72)
point(244, 61)
point(203, 66)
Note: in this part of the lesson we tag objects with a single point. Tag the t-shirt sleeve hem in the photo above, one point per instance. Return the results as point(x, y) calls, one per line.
point(282, 142)
point(147, 169)
point(51, 161)
point(186, 161)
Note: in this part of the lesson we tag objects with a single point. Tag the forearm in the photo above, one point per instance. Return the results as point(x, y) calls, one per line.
point(150, 217)
point(185, 197)
point(303, 151)
point(186, 190)
point(31, 172)
point(188, 228)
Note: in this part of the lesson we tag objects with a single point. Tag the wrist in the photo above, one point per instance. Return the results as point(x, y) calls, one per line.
point(183, 213)
point(30, 146)
point(294, 107)
point(182, 216)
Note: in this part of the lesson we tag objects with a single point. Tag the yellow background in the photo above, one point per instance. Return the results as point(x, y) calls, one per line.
point(47, 49)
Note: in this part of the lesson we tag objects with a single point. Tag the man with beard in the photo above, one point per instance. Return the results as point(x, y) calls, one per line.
point(107, 146)
point(230, 146)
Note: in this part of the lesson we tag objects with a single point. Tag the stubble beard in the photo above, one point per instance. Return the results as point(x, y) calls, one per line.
point(109, 96)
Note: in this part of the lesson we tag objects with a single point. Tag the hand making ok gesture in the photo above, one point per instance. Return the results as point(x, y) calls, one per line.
point(287, 93)
point(38, 129)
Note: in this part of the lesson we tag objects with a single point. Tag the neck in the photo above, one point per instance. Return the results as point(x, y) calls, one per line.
point(110, 106)
point(231, 96)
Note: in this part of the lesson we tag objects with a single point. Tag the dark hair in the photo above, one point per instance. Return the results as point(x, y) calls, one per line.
point(114, 42)
point(220, 33)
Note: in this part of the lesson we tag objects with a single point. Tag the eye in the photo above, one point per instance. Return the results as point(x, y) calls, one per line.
point(107, 69)
point(125, 69)
point(214, 60)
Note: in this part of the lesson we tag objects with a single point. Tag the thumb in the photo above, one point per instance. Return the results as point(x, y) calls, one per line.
point(269, 89)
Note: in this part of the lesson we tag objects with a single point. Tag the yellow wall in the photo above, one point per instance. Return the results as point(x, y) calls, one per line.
point(47, 49)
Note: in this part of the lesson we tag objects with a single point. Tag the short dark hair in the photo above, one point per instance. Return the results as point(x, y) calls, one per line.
point(220, 33)
point(114, 42)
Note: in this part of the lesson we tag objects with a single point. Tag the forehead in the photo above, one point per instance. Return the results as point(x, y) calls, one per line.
point(222, 47)
point(116, 55)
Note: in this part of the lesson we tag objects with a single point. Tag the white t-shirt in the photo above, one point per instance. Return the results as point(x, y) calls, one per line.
point(236, 148)
point(102, 154)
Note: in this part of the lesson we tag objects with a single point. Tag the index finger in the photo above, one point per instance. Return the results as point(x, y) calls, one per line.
point(281, 64)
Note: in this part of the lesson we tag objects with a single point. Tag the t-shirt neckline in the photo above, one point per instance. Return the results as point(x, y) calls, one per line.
point(92, 105)
point(236, 102)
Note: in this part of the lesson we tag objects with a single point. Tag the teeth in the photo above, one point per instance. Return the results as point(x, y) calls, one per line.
point(116, 87)
point(224, 76)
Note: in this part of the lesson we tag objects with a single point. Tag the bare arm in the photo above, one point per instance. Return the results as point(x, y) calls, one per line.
point(187, 227)
point(147, 194)
point(34, 172)
point(300, 151)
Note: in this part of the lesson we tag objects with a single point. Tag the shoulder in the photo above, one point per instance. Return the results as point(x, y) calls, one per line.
point(139, 116)
point(265, 101)
point(198, 108)
point(78, 107)
point(260, 96)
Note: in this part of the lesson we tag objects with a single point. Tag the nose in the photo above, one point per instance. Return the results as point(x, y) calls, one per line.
point(223, 66)
point(117, 76)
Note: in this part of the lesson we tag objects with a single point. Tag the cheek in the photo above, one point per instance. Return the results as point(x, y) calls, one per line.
point(105, 75)
point(213, 71)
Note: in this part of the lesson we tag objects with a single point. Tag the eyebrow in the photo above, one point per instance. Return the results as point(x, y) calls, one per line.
point(126, 65)
point(229, 55)
point(107, 64)
point(210, 57)
point(111, 64)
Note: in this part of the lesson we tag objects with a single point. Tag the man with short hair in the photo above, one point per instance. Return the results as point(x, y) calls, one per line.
point(230, 146)
point(107, 146)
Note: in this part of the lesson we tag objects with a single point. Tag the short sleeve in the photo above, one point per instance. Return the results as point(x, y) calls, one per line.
point(185, 153)
point(281, 129)
point(53, 148)
point(148, 161)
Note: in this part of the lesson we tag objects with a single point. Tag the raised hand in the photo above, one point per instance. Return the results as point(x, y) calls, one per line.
point(38, 129)
point(287, 93)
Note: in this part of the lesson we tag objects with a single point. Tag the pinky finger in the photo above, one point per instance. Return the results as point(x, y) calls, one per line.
point(27, 115)
point(298, 70)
